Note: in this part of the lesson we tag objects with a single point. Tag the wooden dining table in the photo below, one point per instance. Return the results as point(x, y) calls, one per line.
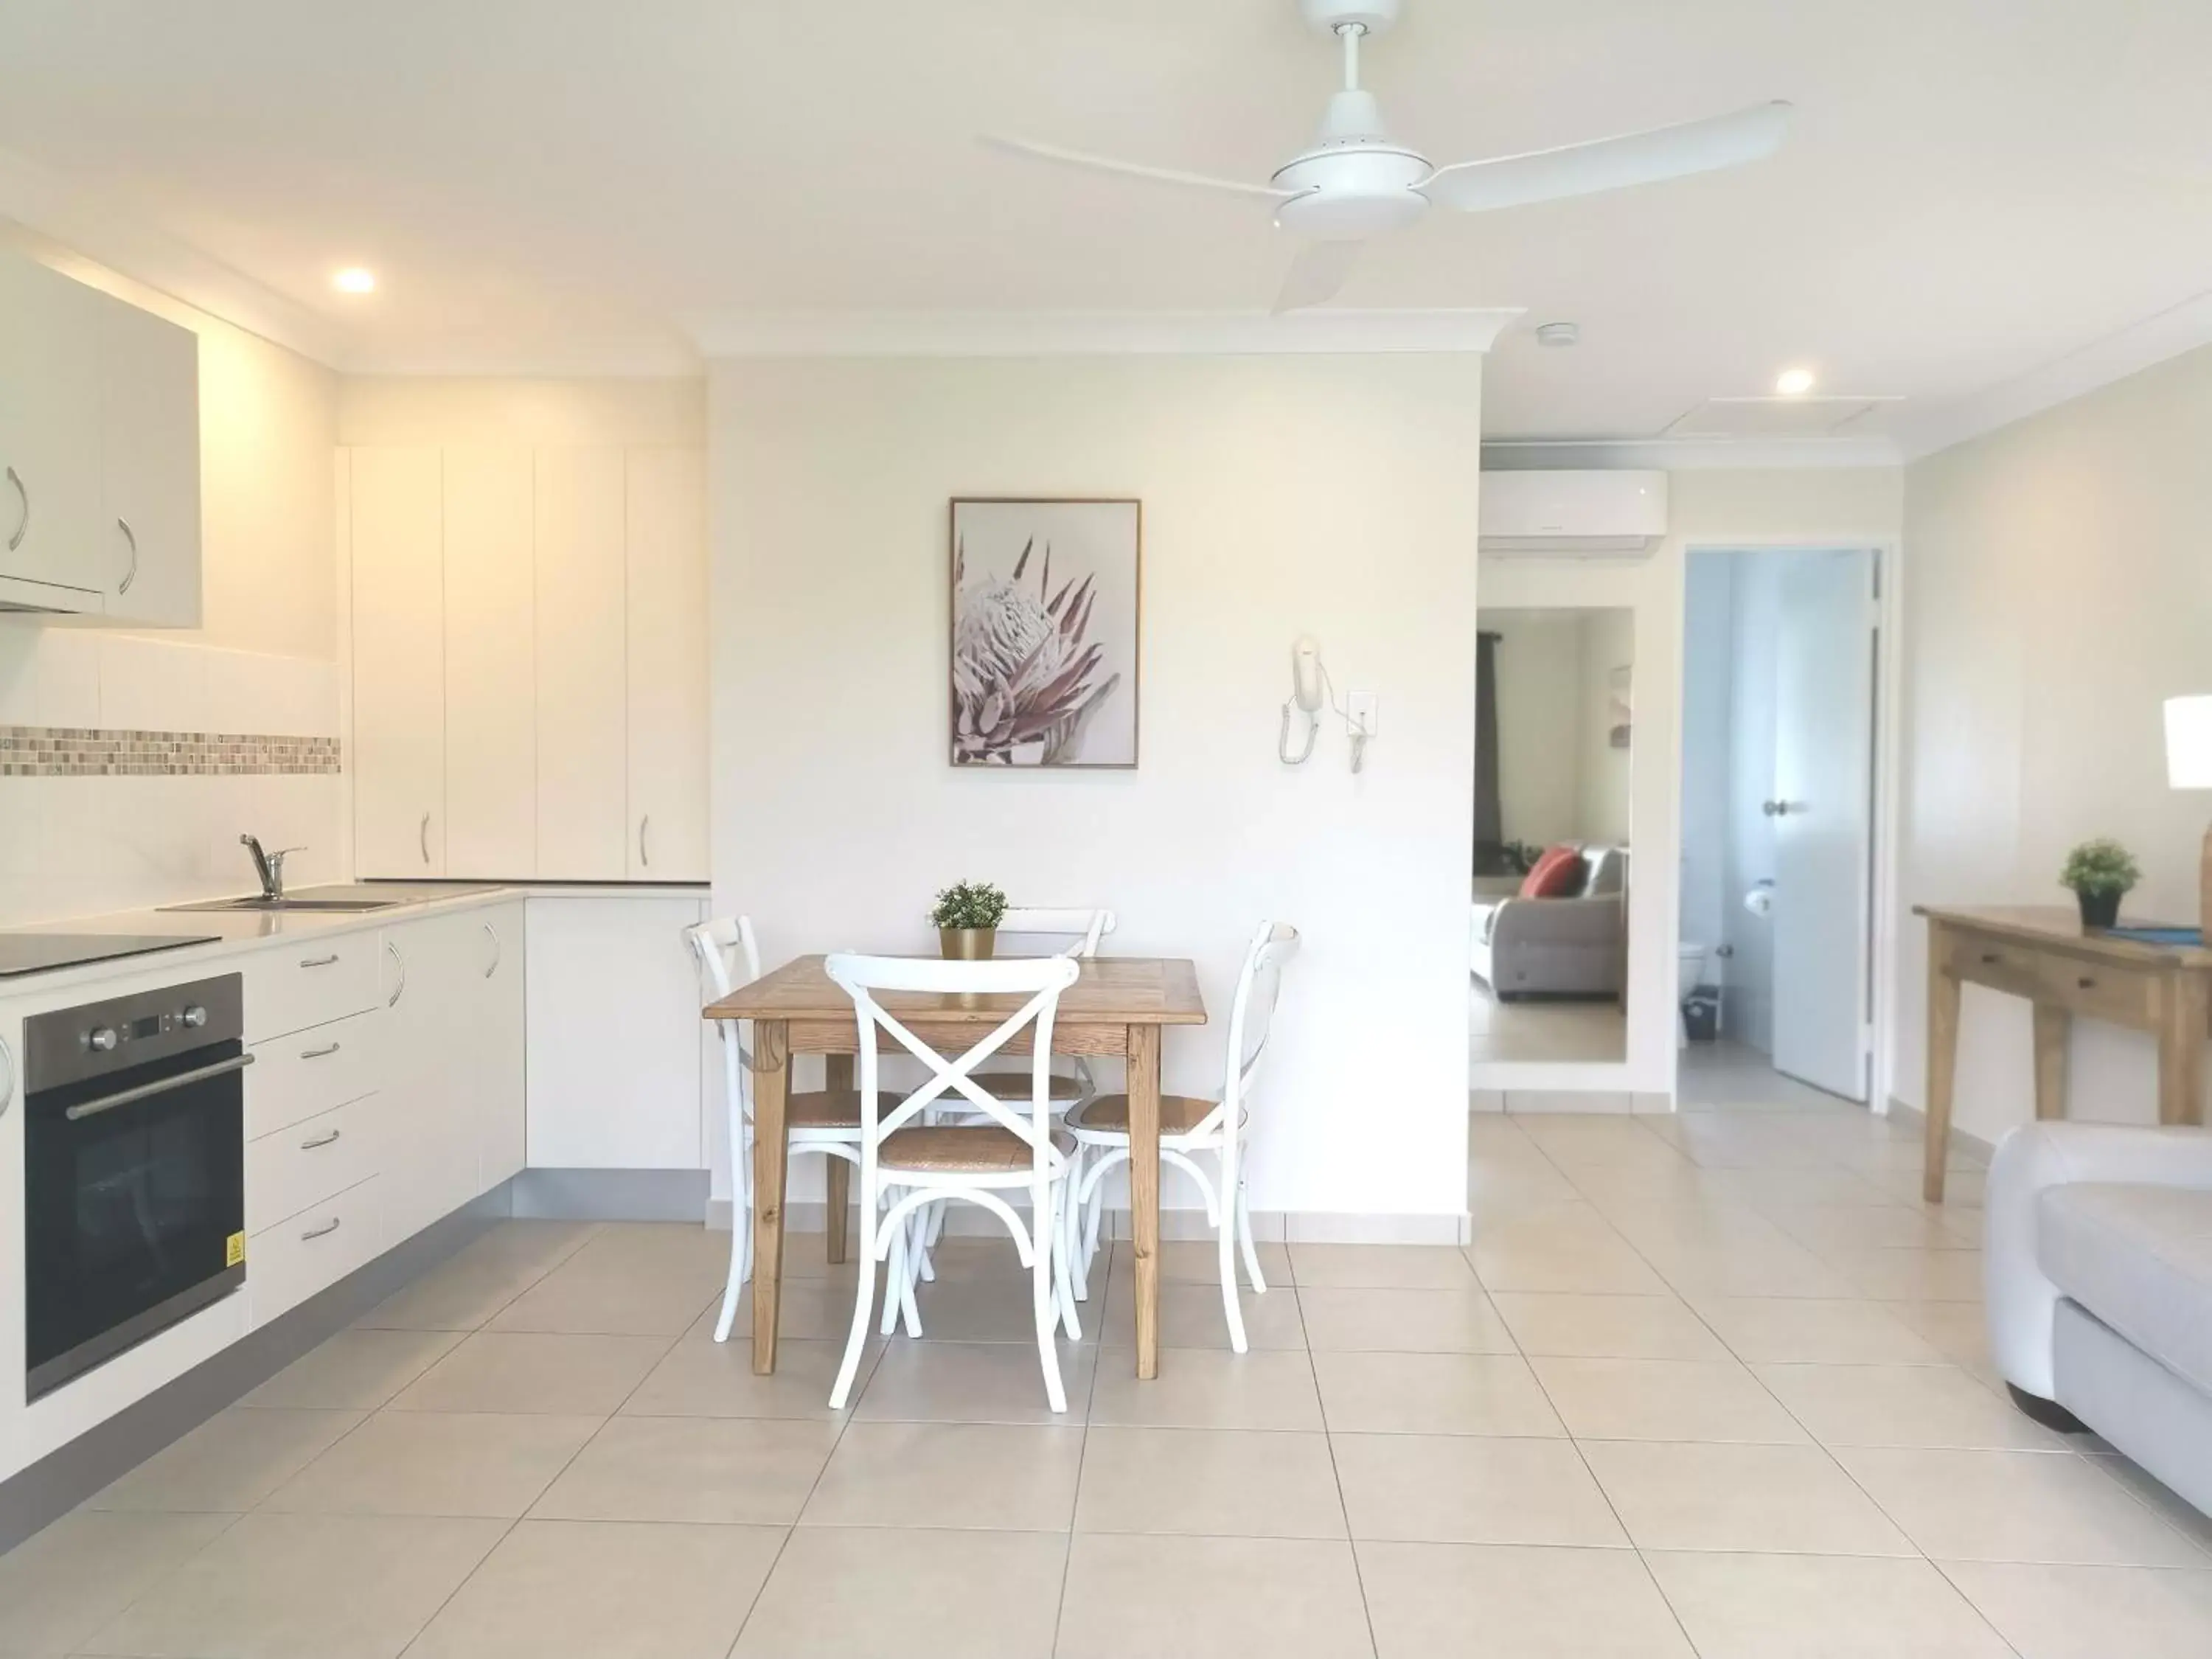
point(1118, 1006)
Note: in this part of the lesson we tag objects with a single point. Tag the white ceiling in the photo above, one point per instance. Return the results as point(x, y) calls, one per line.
point(1973, 190)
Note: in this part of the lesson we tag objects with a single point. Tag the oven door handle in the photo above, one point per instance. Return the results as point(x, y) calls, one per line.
point(148, 1091)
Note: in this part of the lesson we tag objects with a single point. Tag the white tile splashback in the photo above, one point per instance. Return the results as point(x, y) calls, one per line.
point(77, 846)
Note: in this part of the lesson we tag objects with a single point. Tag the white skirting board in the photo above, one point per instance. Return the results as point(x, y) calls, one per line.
point(1268, 1226)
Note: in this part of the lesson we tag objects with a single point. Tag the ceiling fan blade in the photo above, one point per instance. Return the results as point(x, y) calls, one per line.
point(1074, 158)
point(1316, 274)
point(1637, 158)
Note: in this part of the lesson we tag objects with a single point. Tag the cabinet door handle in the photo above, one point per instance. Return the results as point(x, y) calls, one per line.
point(23, 522)
point(323, 1053)
point(321, 1140)
point(399, 987)
point(644, 859)
point(492, 933)
point(318, 961)
point(131, 541)
point(422, 837)
point(330, 1227)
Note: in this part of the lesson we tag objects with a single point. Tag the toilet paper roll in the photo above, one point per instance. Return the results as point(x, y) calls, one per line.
point(1760, 900)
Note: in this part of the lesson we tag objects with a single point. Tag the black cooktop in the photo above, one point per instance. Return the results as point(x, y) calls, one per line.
point(34, 953)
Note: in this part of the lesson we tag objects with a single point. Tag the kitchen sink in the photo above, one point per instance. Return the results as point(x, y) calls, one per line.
point(339, 898)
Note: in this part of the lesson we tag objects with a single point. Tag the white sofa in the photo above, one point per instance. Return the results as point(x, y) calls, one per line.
point(2099, 1288)
point(1556, 946)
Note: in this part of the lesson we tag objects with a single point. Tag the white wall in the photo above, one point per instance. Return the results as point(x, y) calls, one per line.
point(260, 663)
point(1333, 495)
point(1842, 506)
point(2059, 588)
point(1607, 643)
point(1538, 660)
point(1708, 656)
point(419, 410)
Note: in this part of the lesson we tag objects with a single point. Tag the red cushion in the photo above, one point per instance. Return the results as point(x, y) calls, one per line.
point(1558, 874)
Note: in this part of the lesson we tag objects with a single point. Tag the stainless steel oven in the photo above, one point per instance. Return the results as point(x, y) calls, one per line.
point(134, 1160)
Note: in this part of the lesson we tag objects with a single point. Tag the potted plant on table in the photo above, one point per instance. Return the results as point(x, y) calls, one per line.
point(2099, 871)
point(966, 916)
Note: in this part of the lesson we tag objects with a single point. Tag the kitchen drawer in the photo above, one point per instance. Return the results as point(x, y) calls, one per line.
point(312, 1161)
point(288, 1261)
point(295, 1077)
point(311, 982)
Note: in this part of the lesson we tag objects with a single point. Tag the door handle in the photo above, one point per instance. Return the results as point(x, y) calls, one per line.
point(399, 988)
point(422, 837)
point(148, 1091)
point(23, 523)
point(644, 862)
point(124, 586)
point(1780, 809)
point(319, 1232)
point(497, 952)
point(318, 961)
point(323, 1053)
point(321, 1140)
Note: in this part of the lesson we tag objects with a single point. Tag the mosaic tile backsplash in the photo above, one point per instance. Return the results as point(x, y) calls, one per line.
point(68, 752)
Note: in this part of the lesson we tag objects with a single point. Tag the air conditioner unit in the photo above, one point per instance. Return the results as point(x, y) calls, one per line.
point(1618, 513)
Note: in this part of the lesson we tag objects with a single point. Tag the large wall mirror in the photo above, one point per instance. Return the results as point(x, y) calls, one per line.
point(1555, 723)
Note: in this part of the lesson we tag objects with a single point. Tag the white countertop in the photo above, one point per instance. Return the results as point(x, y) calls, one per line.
point(232, 932)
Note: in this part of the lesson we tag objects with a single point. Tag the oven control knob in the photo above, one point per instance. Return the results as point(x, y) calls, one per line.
point(101, 1039)
point(195, 1016)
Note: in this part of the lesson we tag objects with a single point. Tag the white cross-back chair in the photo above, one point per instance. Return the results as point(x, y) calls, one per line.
point(1074, 931)
point(1100, 1129)
point(908, 1164)
point(823, 1120)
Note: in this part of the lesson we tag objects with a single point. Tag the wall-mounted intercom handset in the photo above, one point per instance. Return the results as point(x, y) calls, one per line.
point(1311, 691)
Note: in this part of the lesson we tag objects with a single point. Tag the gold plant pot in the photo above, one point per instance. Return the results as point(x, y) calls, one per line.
point(967, 944)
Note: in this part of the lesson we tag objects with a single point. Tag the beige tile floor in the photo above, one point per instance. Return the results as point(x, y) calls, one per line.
point(1709, 1385)
point(1562, 1030)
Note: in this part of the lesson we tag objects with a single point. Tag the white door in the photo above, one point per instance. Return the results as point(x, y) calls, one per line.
point(399, 663)
point(581, 728)
point(437, 997)
point(149, 458)
point(491, 771)
point(1823, 812)
point(666, 577)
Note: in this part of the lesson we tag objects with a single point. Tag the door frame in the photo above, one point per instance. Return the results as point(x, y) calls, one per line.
point(1882, 914)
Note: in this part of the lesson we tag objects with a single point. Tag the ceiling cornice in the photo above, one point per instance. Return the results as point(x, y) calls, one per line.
point(1688, 455)
point(70, 220)
point(1093, 334)
point(2166, 334)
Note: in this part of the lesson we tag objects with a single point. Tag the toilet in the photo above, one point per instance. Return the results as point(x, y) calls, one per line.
point(1690, 972)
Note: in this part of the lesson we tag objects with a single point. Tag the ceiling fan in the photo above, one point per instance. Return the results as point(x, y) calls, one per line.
point(1355, 182)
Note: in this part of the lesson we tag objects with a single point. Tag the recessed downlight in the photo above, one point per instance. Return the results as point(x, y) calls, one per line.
point(1794, 382)
point(355, 279)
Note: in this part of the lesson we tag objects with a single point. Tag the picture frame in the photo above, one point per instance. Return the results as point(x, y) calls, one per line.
point(1045, 635)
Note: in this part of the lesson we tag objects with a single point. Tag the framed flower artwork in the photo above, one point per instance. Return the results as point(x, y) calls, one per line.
point(1046, 597)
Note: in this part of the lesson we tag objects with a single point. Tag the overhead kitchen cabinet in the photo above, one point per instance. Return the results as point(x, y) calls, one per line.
point(530, 662)
point(99, 512)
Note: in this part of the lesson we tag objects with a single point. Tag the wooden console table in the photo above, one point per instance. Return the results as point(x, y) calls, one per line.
point(2043, 953)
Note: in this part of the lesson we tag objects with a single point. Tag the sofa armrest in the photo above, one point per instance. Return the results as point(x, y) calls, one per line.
point(1557, 921)
point(2022, 1303)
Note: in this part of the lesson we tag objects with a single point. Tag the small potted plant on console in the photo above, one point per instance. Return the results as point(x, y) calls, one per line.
point(2099, 871)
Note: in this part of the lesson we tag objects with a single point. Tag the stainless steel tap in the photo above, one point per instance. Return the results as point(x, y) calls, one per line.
point(269, 866)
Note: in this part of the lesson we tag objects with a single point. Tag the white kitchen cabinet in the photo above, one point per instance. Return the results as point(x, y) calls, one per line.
point(499, 1051)
point(398, 662)
point(490, 735)
point(50, 413)
point(614, 1071)
point(436, 972)
point(666, 613)
point(581, 728)
point(149, 536)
